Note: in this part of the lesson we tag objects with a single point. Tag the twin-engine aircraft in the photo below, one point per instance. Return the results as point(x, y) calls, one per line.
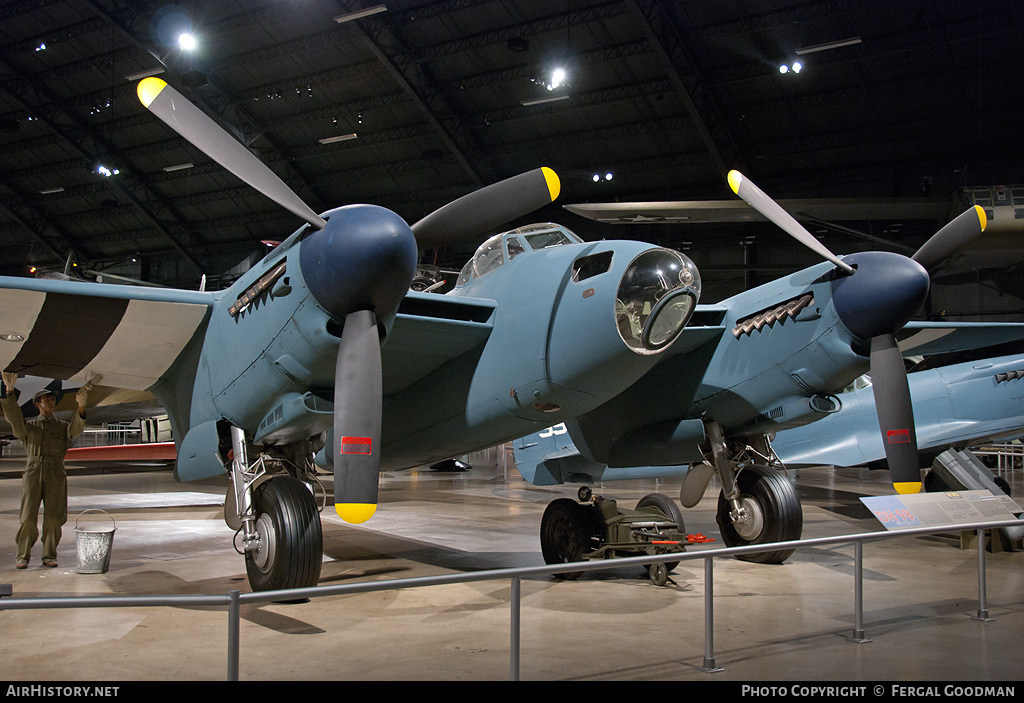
point(958, 405)
point(771, 358)
point(321, 355)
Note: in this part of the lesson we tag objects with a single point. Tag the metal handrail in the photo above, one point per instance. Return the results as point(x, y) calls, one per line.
point(233, 599)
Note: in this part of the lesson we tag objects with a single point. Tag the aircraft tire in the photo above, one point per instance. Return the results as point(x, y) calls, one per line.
point(668, 507)
point(565, 532)
point(292, 537)
point(778, 516)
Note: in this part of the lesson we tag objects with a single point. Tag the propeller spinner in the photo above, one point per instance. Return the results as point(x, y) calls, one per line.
point(369, 239)
point(875, 295)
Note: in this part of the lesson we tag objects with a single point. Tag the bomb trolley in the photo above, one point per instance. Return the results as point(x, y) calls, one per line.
point(599, 529)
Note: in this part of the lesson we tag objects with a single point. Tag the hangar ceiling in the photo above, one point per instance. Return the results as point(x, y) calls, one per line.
point(897, 99)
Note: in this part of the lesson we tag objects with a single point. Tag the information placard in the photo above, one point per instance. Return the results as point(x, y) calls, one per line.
point(903, 512)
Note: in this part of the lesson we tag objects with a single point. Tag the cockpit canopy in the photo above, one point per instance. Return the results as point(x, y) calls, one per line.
point(506, 246)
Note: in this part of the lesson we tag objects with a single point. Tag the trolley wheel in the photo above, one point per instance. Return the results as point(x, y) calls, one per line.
point(565, 533)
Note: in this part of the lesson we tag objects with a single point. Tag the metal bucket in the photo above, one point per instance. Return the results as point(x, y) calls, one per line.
point(94, 546)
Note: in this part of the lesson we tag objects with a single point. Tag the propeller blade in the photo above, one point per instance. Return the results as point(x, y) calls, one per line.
point(357, 418)
point(756, 198)
point(895, 413)
point(206, 135)
point(957, 234)
point(488, 207)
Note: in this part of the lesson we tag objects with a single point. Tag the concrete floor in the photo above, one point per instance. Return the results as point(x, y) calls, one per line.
point(771, 623)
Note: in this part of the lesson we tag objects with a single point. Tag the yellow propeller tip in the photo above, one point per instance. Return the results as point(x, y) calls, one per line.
point(355, 513)
point(982, 218)
point(907, 487)
point(551, 178)
point(735, 178)
point(149, 88)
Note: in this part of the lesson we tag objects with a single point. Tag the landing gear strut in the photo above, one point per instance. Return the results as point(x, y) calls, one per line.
point(276, 516)
point(758, 504)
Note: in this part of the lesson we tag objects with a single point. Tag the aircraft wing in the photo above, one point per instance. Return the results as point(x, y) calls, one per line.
point(960, 404)
point(710, 211)
point(75, 330)
point(924, 338)
point(430, 329)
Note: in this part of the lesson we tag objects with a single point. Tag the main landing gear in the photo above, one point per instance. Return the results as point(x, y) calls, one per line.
point(757, 504)
point(276, 515)
point(597, 528)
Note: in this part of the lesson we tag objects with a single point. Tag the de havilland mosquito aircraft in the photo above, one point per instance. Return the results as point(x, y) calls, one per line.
point(321, 355)
point(772, 357)
point(961, 405)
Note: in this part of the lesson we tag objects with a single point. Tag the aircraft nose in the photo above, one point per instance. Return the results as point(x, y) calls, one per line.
point(657, 295)
point(881, 295)
point(365, 257)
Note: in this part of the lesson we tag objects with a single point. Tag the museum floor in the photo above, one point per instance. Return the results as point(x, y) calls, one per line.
point(771, 623)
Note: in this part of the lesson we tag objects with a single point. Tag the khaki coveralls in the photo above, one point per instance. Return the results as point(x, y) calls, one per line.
point(46, 443)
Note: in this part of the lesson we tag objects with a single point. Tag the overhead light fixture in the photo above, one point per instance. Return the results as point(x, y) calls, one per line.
point(538, 101)
point(41, 47)
point(340, 138)
point(359, 14)
point(178, 167)
point(50, 191)
point(108, 172)
point(796, 68)
point(144, 74)
point(187, 41)
point(830, 45)
point(557, 78)
point(12, 337)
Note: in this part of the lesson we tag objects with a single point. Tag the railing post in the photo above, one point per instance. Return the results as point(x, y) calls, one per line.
point(709, 617)
point(513, 656)
point(982, 599)
point(234, 620)
point(858, 594)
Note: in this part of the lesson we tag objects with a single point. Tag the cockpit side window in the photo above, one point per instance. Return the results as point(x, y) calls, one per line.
point(551, 238)
point(515, 247)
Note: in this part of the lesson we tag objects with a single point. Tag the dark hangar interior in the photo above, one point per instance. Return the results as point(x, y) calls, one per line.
point(915, 104)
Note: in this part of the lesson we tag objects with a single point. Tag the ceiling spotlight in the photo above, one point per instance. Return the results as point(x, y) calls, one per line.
point(187, 41)
point(41, 47)
point(797, 66)
point(783, 68)
point(12, 337)
point(108, 172)
point(608, 176)
point(557, 78)
point(596, 178)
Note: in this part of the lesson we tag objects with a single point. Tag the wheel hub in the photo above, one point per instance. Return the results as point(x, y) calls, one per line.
point(266, 546)
point(749, 521)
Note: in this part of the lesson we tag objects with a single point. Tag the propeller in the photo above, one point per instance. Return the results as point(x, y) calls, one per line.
point(358, 268)
point(874, 296)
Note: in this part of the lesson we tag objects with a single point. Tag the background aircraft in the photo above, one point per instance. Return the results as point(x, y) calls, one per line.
point(321, 349)
point(963, 404)
point(772, 357)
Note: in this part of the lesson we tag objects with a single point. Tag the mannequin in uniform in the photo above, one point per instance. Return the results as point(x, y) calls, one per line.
point(46, 440)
